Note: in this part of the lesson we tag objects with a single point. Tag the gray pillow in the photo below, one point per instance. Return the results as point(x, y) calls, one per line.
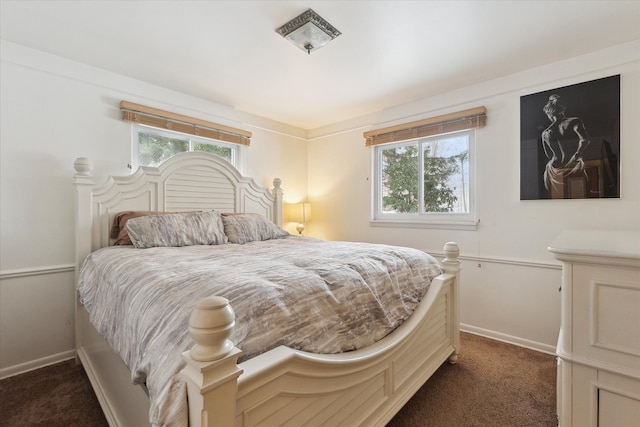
point(245, 228)
point(186, 229)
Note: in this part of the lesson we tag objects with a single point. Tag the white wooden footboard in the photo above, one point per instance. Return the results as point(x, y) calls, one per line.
point(288, 387)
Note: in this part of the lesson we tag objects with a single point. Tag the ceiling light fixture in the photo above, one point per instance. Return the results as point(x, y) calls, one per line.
point(309, 31)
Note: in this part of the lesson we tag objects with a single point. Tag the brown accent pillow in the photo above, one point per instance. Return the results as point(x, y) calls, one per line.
point(118, 231)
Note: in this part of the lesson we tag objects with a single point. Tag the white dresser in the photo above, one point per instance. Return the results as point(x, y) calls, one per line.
point(599, 344)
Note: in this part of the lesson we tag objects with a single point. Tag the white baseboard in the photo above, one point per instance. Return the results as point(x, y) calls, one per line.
point(36, 364)
point(509, 339)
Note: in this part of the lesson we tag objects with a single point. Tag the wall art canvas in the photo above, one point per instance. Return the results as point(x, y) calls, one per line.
point(570, 142)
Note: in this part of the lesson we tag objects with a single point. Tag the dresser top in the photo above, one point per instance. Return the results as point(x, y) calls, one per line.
point(604, 245)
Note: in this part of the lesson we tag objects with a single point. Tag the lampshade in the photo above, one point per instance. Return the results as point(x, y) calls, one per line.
point(309, 31)
point(297, 212)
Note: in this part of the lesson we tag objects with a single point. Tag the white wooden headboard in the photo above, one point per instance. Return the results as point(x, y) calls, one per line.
point(187, 181)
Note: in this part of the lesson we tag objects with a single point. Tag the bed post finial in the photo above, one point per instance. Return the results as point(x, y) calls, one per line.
point(83, 166)
point(210, 326)
point(451, 253)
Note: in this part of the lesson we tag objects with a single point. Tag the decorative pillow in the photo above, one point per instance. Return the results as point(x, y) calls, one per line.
point(245, 228)
point(118, 231)
point(183, 229)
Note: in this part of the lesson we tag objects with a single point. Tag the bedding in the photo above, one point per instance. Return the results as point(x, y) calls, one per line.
point(307, 294)
point(183, 229)
point(118, 230)
point(245, 228)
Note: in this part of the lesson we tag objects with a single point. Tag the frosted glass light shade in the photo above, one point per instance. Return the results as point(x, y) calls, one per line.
point(308, 37)
point(308, 31)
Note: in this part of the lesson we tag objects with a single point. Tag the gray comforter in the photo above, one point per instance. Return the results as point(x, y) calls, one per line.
point(307, 294)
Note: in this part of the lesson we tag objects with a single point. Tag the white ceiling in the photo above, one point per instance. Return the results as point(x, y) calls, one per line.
point(389, 53)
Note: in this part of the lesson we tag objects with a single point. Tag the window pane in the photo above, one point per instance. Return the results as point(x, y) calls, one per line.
point(400, 185)
point(155, 149)
point(425, 182)
point(446, 174)
point(158, 145)
point(224, 152)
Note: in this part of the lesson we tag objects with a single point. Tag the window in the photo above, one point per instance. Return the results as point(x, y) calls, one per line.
point(154, 146)
point(426, 178)
point(160, 134)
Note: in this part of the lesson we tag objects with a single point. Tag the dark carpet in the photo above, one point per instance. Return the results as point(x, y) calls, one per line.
point(493, 384)
point(56, 396)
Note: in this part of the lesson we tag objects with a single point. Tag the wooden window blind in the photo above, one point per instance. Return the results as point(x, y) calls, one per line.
point(149, 116)
point(461, 120)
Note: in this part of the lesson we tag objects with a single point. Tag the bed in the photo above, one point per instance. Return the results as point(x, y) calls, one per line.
point(220, 379)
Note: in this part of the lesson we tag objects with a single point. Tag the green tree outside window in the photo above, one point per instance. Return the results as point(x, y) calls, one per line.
point(156, 146)
point(443, 178)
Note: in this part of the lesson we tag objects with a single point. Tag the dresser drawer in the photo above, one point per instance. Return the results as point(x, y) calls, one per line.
point(606, 314)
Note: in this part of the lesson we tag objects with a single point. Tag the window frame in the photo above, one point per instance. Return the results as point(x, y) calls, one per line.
point(436, 220)
point(237, 151)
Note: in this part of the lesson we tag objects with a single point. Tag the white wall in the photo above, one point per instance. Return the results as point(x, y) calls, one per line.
point(510, 281)
point(52, 111)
